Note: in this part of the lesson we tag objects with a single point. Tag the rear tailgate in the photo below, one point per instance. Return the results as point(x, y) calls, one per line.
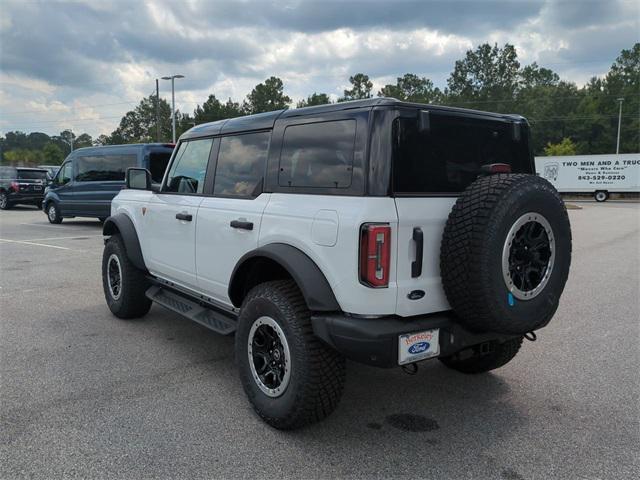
point(420, 220)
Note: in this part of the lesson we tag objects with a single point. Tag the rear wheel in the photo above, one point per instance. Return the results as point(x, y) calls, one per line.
point(484, 357)
point(601, 196)
point(289, 375)
point(123, 284)
point(53, 213)
point(4, 201)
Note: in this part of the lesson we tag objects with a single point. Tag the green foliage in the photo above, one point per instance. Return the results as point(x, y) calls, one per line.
point(314, 99)
point(361, 88)
point(22, 156)
point(565, 147)
point(212, 110)
point(82, 141)
point(266, 97)
point(486, 78)
point(412, 88)
point(139, 125)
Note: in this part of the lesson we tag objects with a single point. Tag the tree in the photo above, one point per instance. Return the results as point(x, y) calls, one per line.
point(565, 147)
point(139, 125)
point(412, 88)
point(314, 99)
point(213, 109)
point(83, 140)
point(102, 140)
point(53, 154)
point(361, 87)
point(486, 78)
point(266, 97)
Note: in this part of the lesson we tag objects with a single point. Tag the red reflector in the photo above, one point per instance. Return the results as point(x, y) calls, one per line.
point(375, 249)
point(496, 168)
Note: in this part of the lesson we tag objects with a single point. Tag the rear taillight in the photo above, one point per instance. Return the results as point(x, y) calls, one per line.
point(15, 186)
point(375, 254)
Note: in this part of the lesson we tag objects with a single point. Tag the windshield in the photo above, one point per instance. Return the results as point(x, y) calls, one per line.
point(32, 174)
point(447, 158)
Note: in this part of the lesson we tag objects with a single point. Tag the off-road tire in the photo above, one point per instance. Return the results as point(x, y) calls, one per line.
point(472, 361)
point(53, 216)
point(317, 372)
point(5, 204)
point(471, 254)
point(132, 301)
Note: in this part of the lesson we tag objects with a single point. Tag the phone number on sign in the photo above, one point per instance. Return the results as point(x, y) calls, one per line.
point(601, 177)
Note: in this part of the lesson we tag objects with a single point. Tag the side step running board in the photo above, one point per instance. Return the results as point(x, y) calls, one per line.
point(207, 317)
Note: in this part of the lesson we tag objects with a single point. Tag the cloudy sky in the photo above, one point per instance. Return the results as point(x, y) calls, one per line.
point(83, 64)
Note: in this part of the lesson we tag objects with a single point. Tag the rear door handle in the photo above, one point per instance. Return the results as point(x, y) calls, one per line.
point(187, 217)
point(243, 224)
point(416, 265)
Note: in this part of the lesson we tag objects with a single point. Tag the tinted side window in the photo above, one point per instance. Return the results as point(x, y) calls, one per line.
point(241, 164)
point(448, 158)
point(104, 168)
point(65, 173)
point(318, 155)
point(189, 167)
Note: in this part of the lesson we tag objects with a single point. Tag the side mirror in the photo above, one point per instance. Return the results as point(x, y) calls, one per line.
point(138, 179)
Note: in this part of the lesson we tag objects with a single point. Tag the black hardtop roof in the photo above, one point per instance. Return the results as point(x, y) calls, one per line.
point(127, 146)
point(262, 121)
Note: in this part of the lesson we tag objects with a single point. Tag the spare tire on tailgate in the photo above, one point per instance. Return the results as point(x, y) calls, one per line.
point(505, 253)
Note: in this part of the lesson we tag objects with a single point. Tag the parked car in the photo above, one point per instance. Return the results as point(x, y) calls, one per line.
point(52, 170)
point(377, 230)
point(21, 185)
point(90, 177)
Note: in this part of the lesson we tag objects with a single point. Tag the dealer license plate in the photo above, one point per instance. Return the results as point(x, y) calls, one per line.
point(418, 346)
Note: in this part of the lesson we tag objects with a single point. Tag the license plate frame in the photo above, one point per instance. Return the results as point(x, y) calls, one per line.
point(416, 346)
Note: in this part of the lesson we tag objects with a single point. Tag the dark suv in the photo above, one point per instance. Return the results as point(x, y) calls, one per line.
point(21, 185)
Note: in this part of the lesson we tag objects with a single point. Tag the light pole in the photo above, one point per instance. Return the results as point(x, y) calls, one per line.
point(173, 102)
point(70, 142)
point(619, 124)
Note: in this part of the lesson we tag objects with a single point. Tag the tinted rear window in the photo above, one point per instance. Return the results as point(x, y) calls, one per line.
point(104, 168)
point(32, 175)
point(448, 157)
point(318, 155)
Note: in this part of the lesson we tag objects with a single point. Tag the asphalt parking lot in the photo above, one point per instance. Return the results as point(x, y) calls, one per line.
point(86, 395)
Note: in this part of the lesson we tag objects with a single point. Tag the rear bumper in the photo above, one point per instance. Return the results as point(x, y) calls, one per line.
point(374, 341)
point(25, 197)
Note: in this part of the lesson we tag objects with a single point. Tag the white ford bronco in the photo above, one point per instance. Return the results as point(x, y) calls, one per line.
point(379, 231)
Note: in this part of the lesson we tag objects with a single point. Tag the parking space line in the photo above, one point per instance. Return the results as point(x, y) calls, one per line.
point(33, 243)
point(65, 227)
point(82, 237)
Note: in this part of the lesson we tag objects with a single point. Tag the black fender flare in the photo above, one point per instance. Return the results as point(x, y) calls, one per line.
point(312, 283)
point(122, 224)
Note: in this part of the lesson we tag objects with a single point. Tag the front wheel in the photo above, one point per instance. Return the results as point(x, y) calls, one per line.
point(124, 285)
point(485, 357)
point(53, 213)
point(291, 378)
point(4, 201)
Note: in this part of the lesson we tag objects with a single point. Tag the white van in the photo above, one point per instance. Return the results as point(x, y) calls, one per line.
point(596, 174)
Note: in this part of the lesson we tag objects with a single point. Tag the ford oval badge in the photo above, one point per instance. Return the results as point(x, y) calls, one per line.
point(415, 295)
point(419, 348)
